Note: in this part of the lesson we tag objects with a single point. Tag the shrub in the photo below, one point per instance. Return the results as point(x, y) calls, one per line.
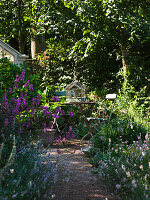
point(29, 176)
point(117, 131)
point(8, 72)
point(127, 168)
point(23, 111)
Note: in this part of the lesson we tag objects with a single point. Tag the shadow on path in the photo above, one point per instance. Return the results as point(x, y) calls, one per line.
point(74, 178)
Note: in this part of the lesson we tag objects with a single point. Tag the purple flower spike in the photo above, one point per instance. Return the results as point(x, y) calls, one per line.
point(22, 76)
point(70, 128)
point(58, 151)
point(5, 97)
point(6, 122)
point(31, 87)
point(71, 113)
point(55, 98)
point(26, 84)
point(16, 86)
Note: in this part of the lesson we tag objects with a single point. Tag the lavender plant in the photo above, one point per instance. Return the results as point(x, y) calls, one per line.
point(23, 179)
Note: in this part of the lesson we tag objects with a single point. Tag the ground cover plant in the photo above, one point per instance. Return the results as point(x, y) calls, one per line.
point(126, 168)
point(22, 180)
point(121, 155)
point(116, 130)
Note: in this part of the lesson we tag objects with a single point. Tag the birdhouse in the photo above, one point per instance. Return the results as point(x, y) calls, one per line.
point(75, 92)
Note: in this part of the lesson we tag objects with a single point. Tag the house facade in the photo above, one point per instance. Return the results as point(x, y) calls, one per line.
point(12, 54)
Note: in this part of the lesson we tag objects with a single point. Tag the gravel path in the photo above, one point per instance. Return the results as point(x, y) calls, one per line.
point(74, 178)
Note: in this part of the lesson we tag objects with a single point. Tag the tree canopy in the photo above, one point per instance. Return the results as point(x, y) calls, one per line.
point(92, 39)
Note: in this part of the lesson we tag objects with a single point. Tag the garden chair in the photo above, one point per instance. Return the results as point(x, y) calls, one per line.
point(64, 121)
point(94, 123)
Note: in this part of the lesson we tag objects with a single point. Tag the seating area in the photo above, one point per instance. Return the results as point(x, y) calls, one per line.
point(103, 116)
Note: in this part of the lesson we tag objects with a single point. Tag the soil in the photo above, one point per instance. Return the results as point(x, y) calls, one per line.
point(74, 179)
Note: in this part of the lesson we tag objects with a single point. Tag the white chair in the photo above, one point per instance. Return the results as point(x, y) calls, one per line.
point(94, 123)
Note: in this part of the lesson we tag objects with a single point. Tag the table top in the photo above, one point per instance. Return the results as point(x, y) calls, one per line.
point(78, 103)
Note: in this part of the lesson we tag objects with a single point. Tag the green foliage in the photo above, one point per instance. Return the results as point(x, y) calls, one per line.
point(116, 131)
point(8, 73)
point(126, 168)
point(85, 38)
point(57, 69)
point(133, 103)
point(24, 177)
point(5, 167)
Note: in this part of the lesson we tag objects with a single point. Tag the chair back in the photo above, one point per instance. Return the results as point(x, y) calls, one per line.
point(112, 98)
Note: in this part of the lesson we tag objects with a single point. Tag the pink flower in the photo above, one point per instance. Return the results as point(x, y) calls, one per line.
point(16, 80)
point(63, 140)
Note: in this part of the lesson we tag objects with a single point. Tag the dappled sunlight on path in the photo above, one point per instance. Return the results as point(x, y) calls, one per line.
point(74, 180)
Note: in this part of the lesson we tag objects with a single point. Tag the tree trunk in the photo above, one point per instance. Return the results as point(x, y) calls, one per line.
point(124, 50)
point(21, 39)
point(37, 45)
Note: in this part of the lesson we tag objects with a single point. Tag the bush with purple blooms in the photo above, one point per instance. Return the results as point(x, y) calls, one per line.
point(21, 114)
point(8, 72)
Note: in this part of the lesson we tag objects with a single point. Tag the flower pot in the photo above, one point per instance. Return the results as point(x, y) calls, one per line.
point(48, 137)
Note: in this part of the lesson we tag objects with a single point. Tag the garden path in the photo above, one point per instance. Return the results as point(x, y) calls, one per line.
point(74, 179)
